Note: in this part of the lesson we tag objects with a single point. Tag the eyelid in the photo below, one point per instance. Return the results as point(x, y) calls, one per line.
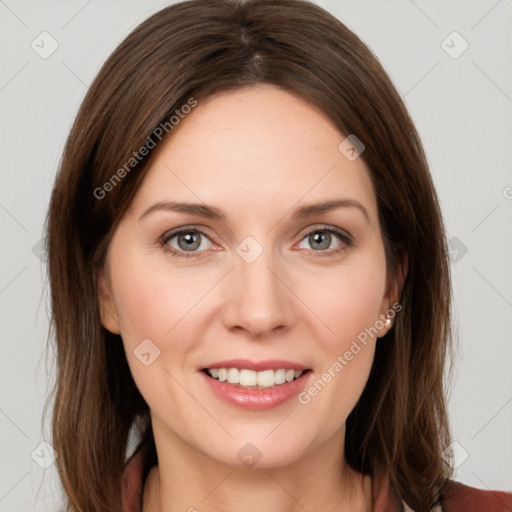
point(344, 234)
point(183, 229)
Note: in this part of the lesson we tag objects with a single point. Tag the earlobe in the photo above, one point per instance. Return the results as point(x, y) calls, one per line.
point(384, 324)
point(108, 311)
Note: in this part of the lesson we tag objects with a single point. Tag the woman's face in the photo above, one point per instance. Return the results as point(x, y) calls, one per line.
point(260, 286)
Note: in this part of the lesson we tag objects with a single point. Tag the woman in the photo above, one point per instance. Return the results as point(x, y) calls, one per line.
point(248, 269)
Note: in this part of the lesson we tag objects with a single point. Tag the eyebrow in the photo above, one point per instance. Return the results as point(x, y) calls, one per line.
point(210, 212)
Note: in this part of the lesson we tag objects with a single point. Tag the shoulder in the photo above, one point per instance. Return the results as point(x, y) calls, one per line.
point(458, 497)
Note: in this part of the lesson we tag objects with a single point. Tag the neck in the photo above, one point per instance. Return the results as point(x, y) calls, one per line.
point(191, 481)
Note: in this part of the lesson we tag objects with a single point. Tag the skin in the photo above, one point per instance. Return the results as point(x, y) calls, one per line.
point(256, 154)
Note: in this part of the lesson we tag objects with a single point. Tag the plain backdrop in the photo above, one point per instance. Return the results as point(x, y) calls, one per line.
point(452, 63)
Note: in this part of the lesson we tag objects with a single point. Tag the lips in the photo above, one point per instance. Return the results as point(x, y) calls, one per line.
point(268, 364)
point(256, 385)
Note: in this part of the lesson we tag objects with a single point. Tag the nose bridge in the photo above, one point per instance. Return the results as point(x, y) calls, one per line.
point(258, 299)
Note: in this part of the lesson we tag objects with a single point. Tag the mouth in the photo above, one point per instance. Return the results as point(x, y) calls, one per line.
point(251, 379)
point(256, 385)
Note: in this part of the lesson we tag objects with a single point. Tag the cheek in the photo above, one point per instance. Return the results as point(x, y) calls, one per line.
point(164, 306)
point(350, 307)
point(153, 314)
point(349, 300)
point(150, 302)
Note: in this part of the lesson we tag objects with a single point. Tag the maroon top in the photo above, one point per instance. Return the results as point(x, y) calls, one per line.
point(458, 497)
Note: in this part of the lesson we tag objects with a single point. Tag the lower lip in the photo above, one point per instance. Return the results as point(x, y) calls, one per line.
point(256, 399)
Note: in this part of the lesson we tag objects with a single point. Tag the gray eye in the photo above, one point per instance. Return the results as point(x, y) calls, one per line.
point(188, 241)
point(320, 240)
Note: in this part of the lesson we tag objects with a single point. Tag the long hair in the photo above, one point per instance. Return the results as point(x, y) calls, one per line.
point(192, 50)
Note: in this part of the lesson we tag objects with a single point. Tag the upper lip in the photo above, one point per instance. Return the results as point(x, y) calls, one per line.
point(257, 366)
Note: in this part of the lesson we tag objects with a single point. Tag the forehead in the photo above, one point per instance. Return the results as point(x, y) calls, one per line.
point(254, 148)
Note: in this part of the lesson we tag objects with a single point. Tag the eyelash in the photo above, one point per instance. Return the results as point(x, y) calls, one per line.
point(346, 239)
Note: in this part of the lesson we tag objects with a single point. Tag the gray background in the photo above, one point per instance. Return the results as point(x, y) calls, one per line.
point(462, 108)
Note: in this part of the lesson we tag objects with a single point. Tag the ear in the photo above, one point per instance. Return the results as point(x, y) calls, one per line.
point(390, 302)
point(108, 310)
point(401, 274)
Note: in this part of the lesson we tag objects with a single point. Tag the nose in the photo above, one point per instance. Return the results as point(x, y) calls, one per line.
point(257, 298)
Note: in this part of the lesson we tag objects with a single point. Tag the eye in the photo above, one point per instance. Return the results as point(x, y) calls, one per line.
point(192, 242)
point(321, 241)
point(186, 240)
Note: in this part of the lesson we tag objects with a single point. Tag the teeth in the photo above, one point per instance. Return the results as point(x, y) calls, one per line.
point(266, 378)
point(250, 378)
point(280, 376)
point(233, 375)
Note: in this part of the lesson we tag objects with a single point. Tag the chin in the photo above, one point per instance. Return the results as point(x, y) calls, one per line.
point(257, 452)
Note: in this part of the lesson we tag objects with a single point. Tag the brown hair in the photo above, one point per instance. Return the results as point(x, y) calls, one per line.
point(192, 50)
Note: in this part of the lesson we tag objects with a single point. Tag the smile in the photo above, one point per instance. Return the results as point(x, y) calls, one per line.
point(255, 385)
point(253, 379)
